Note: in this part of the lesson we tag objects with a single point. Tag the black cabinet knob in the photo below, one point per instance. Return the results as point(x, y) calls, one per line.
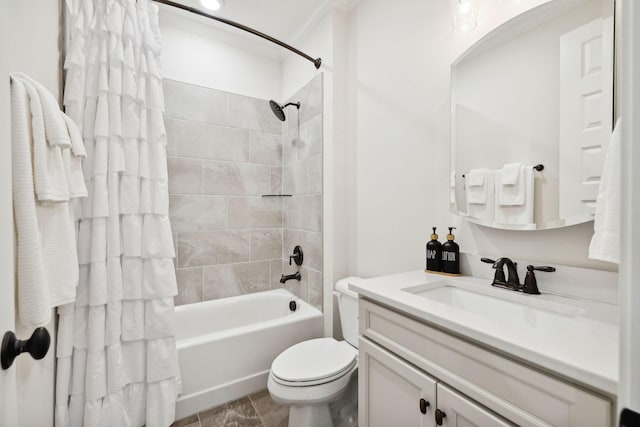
point(37, 346)
point(440, 416)
point(424, 405)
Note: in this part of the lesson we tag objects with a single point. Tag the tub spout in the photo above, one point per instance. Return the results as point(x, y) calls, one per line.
point(296, 276)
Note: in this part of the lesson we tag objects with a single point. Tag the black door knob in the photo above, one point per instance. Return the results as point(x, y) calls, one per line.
point(424, 405)
point(440, 416)
point(37, 346)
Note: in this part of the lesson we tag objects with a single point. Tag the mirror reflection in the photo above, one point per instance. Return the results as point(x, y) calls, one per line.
point(536, 91)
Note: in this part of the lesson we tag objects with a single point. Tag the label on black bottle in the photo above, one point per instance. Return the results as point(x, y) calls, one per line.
point(433, 263)
point(448, 256)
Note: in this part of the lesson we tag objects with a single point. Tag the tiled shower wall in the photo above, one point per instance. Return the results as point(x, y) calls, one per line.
point(302, 178)
point(225, 151)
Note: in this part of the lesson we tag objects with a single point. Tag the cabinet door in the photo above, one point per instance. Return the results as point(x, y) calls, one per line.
point(454, 410)
point(392, 392)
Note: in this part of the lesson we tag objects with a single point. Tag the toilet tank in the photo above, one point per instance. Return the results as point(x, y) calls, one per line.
point(348, 306)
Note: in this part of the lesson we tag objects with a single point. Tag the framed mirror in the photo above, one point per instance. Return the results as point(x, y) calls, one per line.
point(532, 114)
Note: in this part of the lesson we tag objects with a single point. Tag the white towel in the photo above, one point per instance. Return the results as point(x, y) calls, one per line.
point(33, 295)
point(483, 212)
point(476, 187)
point(55, 126)
point(516, 216)
point(45, 230)
point(511, 173)
point(512, 190)
point(48, 165)
point(605, 243)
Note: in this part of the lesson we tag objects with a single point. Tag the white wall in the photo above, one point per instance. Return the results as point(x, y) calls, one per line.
point(400, 57)
point(399, 114)
point(197, 51)
point(35, 50)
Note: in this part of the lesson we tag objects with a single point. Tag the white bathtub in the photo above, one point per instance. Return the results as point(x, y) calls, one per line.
point(226, 346)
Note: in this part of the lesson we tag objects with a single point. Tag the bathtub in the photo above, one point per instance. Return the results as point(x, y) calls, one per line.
point(226, 346)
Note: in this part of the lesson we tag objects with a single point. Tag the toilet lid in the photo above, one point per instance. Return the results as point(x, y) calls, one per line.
point(314, 360)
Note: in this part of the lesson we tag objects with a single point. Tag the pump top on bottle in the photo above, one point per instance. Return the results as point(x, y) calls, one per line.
point(434, 253)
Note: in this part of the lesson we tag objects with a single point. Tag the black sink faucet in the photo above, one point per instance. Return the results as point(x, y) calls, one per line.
point(530, 285)
point(513, 281)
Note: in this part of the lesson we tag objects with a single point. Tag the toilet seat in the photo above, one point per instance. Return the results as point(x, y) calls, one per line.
point(314, 362)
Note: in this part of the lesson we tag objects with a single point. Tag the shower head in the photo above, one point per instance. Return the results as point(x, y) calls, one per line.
point(278, 109)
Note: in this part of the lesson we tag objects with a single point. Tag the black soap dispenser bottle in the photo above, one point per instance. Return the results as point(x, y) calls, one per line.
point(450, 254)
point(434, 253)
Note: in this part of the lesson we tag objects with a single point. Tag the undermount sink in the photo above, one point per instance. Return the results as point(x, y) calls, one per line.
point(500, 303)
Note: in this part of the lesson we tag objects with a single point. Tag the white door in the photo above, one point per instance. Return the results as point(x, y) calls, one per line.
point(454, 410)
point(8, 415)
point(392, 392)
point(586, 109)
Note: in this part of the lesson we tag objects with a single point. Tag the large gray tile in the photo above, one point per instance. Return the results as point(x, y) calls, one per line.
point(185, 176)
point(310, 141)
point(310, 97)
point(276, 273)
point(228, 280)
point(200, 248)
point(255, 212)
point(311, 243)
point(290, 147)
point(171, 127)
point(189, 285)
point(251, 276)
point(239, 413)
point(252, 113)
point(271, 413)
point(204, 141)
point(315, 288)
point(276, 180)
point(196, 212)
point(266, 148)
point(195, 103)
point(295, 178)
point(236, 178)
point(218, 283)
point(266, 244)
point(315, 174)
point(222, 281)
point(304, 212)
point(190, 421)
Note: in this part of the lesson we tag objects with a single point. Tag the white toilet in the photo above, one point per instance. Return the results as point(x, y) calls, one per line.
point(311, 375)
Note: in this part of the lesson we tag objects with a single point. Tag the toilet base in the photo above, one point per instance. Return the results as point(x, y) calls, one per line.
point(317, 415)
point(338, 412)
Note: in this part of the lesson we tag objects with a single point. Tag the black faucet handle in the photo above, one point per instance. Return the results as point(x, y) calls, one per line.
point(297, 256)
point(488, 260)
point(545, 268)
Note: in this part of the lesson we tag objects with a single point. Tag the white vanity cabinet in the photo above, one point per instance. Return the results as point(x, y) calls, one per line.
point(403, 360)
point(394, 393)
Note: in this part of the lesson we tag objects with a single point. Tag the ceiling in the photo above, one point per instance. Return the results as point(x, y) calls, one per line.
point(282, 19)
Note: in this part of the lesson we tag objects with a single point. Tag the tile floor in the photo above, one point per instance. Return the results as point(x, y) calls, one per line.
point(255, 410)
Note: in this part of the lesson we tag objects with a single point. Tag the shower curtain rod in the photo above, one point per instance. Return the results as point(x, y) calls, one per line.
point(316, 62)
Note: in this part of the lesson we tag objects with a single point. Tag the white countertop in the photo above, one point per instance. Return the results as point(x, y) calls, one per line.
point(577, 339)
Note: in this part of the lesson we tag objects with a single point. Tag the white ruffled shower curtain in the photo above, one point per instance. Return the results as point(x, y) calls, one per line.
point(116, 353)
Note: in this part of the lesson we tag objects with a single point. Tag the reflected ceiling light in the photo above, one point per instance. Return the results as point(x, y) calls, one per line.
point(212, 4)
point(466, 15)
